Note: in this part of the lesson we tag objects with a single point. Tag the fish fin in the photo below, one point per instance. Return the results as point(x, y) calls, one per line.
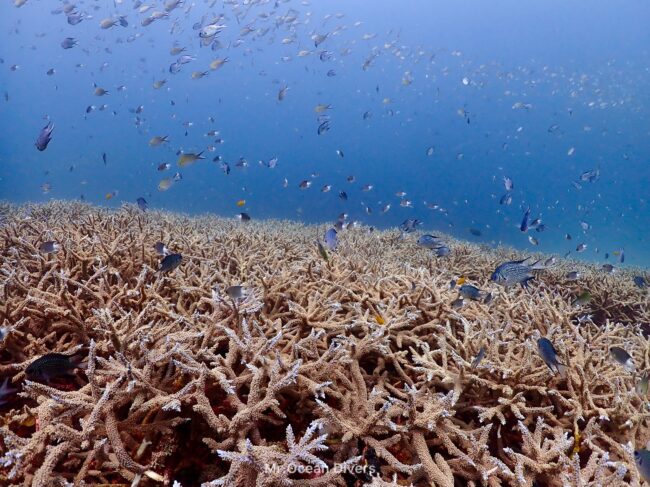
point(76, 361)
point(524, 283)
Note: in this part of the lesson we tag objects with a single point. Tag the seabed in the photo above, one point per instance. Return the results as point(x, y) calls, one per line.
point(348, 371)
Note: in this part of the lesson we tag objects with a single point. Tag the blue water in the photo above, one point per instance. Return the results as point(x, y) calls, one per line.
point(583, 66)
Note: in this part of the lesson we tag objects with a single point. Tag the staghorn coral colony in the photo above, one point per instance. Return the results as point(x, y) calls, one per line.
point(353, 369)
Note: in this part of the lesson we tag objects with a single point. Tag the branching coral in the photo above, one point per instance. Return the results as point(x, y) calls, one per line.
point(352, 371)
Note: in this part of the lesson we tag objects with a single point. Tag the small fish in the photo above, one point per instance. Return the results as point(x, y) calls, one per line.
point(321, 107)
point(549, 355)
point(283, 93)
point(515, 272)
point(323, 127)
point(164, 166)
point(170, 262)
point(343, 195)
point(218, 63)
point(581, 247)
point(142, 203)
point(430, 151)
point(506, 199)
point(240, 203)
point(608, 268)
point(339, 153)
point(304, 184)
point(165, 184)
point(429, 242)
point(590, 176)
point(380, 320)
point(161, 248)
point(507, 182)
point(244, 217)
point(442, 251)
point(68, 43)
point(623, 358)
point(573, 275)
point(189, 158)
point(642, 460)
point(524, 221)
point(478, 358)
point(158, 140)
point(567, 236)
point(44, 137)
point(640, 282)
point(457, 303)
point(409, 225)
point(470, 292)
point(322, 251)
point(104, 158)
point(331, 239)
point(100, 91)
point(583, 298)
point(107, 23)
point(49, 247)
point(52, 365)
point(476, 232)
point(326, 188)
point(533, 240)
point(235, 292)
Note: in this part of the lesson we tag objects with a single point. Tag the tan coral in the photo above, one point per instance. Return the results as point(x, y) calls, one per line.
point(334, 364)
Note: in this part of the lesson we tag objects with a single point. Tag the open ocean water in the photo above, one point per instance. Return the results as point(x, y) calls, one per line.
point(384, 111)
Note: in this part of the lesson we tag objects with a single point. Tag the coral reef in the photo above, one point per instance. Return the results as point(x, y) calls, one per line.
point(355, 370)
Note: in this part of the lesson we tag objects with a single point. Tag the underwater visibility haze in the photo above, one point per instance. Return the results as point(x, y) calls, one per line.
point(306, 110)
point(350, 243)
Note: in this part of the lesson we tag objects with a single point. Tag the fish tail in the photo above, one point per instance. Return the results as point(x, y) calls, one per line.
point(76, 360)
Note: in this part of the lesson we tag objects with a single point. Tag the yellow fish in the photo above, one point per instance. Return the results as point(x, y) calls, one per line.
point(165, 184)
point(109, 196)
point(241, 203)
point(158, 140)
point(576, 440)
point(461, 280)
point(321, 107)
point(217, 63)
point(379, 319)
point(189, 158)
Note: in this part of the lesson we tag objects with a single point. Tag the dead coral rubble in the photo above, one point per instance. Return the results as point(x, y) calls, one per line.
point(323, 374)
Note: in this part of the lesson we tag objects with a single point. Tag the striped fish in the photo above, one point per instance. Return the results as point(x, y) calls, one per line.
point(515, 272)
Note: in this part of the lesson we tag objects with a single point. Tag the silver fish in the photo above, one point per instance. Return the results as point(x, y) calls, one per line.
point(49, 247)
point(623, 358)
point(515, 272)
